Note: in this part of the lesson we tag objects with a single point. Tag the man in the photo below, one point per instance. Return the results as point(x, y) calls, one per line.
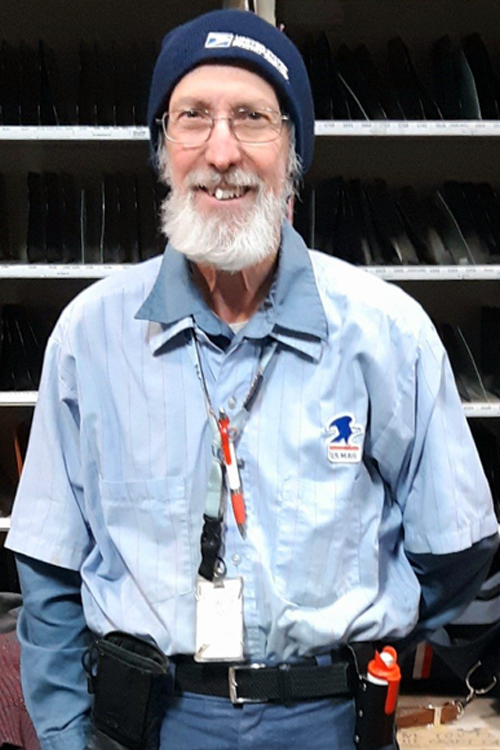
point(295, 414)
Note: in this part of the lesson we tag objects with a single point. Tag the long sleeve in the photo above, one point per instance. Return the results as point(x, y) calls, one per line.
point(449, 583)
point(53, 637)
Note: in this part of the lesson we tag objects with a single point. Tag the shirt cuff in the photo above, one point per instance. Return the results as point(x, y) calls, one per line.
point(74, 738)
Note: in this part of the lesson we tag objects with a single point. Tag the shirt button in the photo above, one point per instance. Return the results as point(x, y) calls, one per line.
point(236, 559)
point(232, 402)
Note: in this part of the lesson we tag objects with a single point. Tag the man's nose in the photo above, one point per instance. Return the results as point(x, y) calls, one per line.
point(222, 149)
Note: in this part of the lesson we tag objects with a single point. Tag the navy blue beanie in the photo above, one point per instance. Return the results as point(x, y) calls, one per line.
point(240, 37)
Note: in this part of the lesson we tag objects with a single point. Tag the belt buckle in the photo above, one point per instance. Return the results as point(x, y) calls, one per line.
point(233, 684)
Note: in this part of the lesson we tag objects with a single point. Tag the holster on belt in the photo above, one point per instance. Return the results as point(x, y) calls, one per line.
point(375, 714)
point(128, 678)
point(374, 727)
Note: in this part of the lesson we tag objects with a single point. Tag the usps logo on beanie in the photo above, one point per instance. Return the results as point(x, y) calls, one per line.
point(218, 40)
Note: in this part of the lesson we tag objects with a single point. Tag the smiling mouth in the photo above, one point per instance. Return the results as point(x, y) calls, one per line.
point(225, 193)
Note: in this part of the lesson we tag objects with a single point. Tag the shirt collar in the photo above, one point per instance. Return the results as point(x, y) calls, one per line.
point(293, 312)
point(175, 296)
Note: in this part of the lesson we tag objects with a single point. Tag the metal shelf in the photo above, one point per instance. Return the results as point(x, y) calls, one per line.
point(390, 273)
point(482, 409)
point(29, 398)
point(72, 133)
point(408, 129)
point(4, 524)
point(18, 398)
point(58, 271)
point(436, 273)
point(323, 128)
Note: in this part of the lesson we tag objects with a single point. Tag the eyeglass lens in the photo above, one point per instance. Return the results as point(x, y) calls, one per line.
point(248, 125)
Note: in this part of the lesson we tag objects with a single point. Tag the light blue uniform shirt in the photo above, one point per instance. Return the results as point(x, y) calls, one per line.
point(356, 452)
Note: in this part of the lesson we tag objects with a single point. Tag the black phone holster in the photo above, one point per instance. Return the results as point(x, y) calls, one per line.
point(128, 679)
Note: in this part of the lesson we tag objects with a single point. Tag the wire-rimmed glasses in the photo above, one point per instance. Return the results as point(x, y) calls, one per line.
point(193, 126)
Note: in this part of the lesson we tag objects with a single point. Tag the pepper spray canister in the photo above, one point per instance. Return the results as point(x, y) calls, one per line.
point(377, 700)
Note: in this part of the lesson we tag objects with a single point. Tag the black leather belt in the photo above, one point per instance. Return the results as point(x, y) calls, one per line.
point(257, 683)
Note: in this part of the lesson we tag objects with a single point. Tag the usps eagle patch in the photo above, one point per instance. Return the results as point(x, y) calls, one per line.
point(219, 40)
point(346, 443)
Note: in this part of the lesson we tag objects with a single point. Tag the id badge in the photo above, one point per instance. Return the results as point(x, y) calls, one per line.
point(219, 620)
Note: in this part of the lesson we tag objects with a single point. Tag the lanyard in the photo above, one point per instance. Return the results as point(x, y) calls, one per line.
point(224, 463)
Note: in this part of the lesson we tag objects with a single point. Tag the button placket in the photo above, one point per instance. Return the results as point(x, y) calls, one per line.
point(234, 377)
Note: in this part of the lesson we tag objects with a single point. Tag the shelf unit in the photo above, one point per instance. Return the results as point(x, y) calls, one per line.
point(58, 271)
point(18, 398)
point(29, 398)
point(423, 153)
point(323, 128)
point(389, 273)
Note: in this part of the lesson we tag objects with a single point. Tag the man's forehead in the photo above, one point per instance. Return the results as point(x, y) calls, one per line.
point(228, 80)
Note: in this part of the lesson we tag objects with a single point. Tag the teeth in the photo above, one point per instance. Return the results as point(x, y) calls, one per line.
point(228, 193)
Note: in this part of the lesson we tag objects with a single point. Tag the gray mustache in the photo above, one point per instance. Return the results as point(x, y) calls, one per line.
point(211, 178)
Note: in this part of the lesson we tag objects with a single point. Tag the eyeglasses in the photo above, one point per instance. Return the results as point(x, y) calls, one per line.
point(193, 127)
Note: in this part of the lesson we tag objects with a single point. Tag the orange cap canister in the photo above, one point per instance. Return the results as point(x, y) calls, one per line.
point(384, 669)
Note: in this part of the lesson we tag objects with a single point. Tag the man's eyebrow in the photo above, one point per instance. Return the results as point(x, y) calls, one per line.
point(199, 103)
point(189, 101)
point(255, 104)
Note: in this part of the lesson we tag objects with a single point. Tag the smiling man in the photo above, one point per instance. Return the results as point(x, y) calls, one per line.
point(249, 465)
point(231, 164)
point(230, 193)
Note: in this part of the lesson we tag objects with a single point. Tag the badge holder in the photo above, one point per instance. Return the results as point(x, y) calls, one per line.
point(219, 620)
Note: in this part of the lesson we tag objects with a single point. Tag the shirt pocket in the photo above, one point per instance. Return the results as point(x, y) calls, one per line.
point(147, 525)
point(316, 558)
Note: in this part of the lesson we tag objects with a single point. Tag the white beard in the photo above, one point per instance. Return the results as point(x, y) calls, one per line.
point(228, 243)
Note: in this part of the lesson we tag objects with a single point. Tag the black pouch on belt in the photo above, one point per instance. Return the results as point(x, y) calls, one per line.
point(376, 696)
point(374, 727)
point(128, 678)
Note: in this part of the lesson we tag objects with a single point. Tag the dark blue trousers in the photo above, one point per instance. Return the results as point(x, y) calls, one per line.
point(196, 722)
